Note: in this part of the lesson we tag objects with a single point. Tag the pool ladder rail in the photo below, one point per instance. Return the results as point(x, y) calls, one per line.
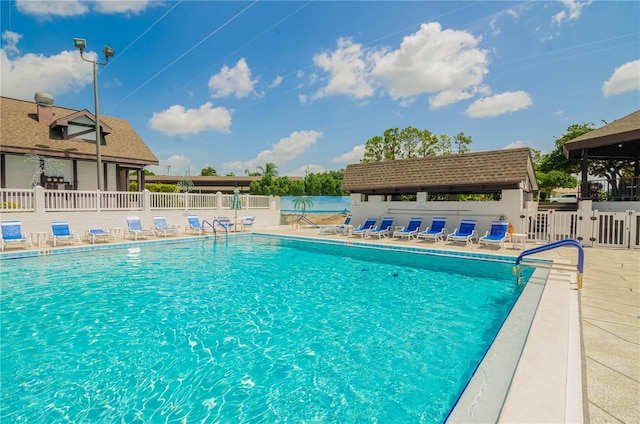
point(213, 226)
point(579, 268)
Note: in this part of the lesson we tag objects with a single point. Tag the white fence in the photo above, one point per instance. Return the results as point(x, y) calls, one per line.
point(606, 229)
point(76, 200)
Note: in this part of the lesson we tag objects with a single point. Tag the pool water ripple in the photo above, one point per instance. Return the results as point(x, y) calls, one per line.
point(246, 330)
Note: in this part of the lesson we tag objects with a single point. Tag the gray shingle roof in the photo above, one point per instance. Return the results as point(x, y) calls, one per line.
point(468, 172)
point(21, 132)
point(617, 140)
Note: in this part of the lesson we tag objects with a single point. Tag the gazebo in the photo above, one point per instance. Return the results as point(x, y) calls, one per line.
point(619, 140)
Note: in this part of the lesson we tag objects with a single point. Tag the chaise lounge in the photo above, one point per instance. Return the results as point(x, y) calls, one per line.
point(465, 234)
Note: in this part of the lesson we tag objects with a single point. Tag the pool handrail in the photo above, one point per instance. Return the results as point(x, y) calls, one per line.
point(204, 221)
point(553, 245)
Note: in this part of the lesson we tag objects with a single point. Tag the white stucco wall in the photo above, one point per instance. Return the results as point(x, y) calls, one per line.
point(510, 206)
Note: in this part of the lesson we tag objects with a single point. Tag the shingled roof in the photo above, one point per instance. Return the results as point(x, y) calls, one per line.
point(22, 133)
point(617, 140)
point(476, 172)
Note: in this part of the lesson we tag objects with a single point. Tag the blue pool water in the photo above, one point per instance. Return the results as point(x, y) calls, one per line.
point(253, 329)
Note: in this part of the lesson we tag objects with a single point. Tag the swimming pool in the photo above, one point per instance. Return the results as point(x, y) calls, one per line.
point(249, 329)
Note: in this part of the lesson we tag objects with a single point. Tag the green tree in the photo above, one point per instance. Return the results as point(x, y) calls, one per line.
point(209, 171)
point(374, 150)
point(411, 138)
point(547, 181)
point(443, 146)
point(556, 160)
point(392, 144)
point(428, 144)
point(462, 142)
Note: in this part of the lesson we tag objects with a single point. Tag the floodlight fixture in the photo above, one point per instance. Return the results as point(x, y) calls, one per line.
point(108, 52)
point(80, 43)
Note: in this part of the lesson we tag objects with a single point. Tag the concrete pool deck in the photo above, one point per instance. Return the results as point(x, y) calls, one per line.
point(608, 310)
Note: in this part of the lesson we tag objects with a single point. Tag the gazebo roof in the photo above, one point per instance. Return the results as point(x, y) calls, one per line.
point(474, 172)
point(617, 140)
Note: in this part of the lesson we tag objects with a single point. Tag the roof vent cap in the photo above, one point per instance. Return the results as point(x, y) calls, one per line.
point(43, 98)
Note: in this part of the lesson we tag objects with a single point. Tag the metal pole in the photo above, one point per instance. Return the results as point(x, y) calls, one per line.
point(98, 138)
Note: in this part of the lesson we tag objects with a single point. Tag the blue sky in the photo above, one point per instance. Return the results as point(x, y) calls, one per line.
point(235, 85)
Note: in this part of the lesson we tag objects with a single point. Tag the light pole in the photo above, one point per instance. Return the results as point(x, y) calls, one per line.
point(168, 168)
point(81, 44)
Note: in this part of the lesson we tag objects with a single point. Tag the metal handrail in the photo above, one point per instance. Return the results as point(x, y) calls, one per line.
point(555, 244)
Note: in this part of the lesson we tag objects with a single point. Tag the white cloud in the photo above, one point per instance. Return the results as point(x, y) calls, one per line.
point(80, 7)
point(276, 82)
point(433, 61)
point(499, 104)
point(493, 23)
point(178, 121)
point(286, 149)
point(111, 7)
point(302, 98)
point(354, 156)
point(625, 78)
point(446, 63)
point(23, 75)
point(573, 10)
point(232, 81)
point(347, 70)
point(515, 145)
point(178, 165)
point(11, 40)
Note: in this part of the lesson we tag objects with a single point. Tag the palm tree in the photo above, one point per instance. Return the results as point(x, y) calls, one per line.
point(302, 203)
point(268, 168)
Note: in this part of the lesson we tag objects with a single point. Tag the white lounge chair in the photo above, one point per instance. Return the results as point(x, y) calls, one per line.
point(98, 234)
point(247, 222)
point(369, 224)
point(61, 233)
point(383, 230)
point(224, 222)
point(12, 235)
point(411, 230)
point(335, 229)
point(497, 235)
point(135, 228)
point(436, 231)
point(161, 227)
point(465, 234)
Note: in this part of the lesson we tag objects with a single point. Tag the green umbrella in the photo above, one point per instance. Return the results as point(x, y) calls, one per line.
point(236, 203)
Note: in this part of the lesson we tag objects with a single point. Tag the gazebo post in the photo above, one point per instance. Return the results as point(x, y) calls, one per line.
point(584, 187)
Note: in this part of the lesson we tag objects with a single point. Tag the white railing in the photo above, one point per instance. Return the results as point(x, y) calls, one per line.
point(17, 200)
point(604, 229)
point(121, 200)
point(168, 200)
point(258, 202)
point(548, 226)
point(40, 199)
point(202, 201)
